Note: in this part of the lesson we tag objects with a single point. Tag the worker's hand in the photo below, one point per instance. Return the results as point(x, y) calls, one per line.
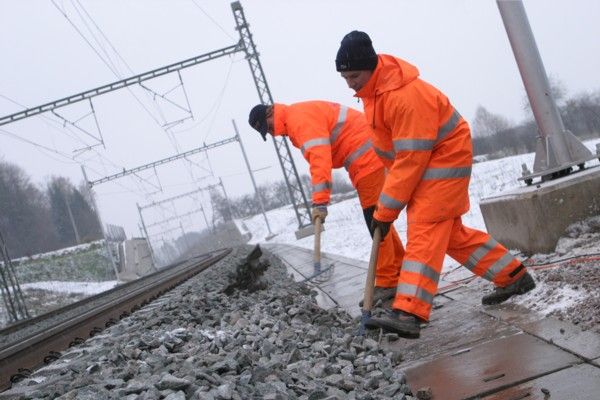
point(384, 227)
point(319, 211)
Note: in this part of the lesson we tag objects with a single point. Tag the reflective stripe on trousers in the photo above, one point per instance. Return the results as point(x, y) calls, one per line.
point(429, 242)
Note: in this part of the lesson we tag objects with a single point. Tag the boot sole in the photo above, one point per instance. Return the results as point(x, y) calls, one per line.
point(402, 331)
point(522, 290)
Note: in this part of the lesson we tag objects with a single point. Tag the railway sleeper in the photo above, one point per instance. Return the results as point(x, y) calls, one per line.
point(22, 374)
point(95, 330)
point(52, 356)
point(76, 341)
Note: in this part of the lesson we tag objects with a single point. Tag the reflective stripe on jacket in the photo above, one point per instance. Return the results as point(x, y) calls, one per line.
point(329, 136)
point(422, 140)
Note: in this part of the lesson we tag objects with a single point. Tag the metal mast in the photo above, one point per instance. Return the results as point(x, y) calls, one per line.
point(290, 173)
point(558, 150)
point(137, 79)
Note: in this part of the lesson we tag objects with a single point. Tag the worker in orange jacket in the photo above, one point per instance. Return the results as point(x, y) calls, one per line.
point(330, 136)
point(426, 147)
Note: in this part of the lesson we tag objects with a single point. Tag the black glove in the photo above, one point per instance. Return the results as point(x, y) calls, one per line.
point(384, 227)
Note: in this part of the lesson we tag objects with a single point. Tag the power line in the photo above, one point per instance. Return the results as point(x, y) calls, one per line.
point(83, 36)
point(112, 67)
point(105, 37)
point(212, 19)
point(15, 136)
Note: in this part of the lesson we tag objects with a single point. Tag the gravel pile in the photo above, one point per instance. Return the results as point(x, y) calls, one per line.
point(212, 338)
point(584, 279)
point(569, 289)
point(569, 292)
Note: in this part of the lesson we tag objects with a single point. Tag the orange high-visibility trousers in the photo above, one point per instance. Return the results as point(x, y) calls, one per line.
point(427, 244)
point(391, 250)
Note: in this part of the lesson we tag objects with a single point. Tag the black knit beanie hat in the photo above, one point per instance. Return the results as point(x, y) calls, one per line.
point(258, 119)
point(356, 53)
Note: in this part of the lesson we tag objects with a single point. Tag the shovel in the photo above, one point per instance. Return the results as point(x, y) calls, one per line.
point(370, 285)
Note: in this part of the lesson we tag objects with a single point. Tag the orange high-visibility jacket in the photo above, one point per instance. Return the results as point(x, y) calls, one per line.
point(330, 136)
point(422, 140)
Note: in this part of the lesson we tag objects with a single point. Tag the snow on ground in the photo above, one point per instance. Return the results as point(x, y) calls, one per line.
point(83, 288)
point(346, 234)
point(571, 291)
point(349, 236)
point(61, 252)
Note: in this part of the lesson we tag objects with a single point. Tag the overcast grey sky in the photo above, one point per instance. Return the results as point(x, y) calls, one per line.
point(460, 46)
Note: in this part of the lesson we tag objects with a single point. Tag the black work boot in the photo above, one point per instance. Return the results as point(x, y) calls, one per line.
point(397, 321)
point(501, 294)
point(381, 293)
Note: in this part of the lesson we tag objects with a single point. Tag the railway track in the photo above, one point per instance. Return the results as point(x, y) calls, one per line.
point(32, 343)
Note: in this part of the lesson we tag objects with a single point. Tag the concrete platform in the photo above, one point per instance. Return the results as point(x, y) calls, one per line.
point(516, 218)
point(344, 286)
point(581, 382)
point(468, 351)
point(489, 367)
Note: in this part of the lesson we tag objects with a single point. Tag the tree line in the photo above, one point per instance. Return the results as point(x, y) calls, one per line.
point(36, 219)
point(495, 136)
point(274, 195)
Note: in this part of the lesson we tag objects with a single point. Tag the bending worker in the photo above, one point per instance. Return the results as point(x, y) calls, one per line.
point(426, 146)
point(331, 135)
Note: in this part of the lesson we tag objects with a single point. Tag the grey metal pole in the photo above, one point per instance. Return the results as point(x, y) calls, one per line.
point(206, 219)
point(147, 237)
point(258, 196)
point(557, 148)
point(226, 199)
point(185, 238)
point(73, 224)
point(99, 218)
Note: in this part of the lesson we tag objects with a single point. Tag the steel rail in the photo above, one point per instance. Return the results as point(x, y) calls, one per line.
point(17, 359)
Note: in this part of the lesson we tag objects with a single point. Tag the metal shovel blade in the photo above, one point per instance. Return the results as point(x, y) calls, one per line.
point(318, 271)
point(365, 317)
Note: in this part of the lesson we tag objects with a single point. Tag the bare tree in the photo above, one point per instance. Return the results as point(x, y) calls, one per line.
point(487, 124)
point(557, 91)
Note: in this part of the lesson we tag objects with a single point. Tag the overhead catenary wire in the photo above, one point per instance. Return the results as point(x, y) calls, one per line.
point(114, 69)
point(106, 38)
point(94, 38)
point(39, 146)
point(52, 123)
point(213, 20)
point(71, 159)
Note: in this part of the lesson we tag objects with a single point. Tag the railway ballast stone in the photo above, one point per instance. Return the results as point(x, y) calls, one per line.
point(257, 341)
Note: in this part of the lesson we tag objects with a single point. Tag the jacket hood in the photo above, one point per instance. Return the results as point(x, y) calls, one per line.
point(279, 119)
point(391, 73)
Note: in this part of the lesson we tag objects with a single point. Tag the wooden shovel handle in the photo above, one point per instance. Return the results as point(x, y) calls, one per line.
point(370, 285)
point(317, 253)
